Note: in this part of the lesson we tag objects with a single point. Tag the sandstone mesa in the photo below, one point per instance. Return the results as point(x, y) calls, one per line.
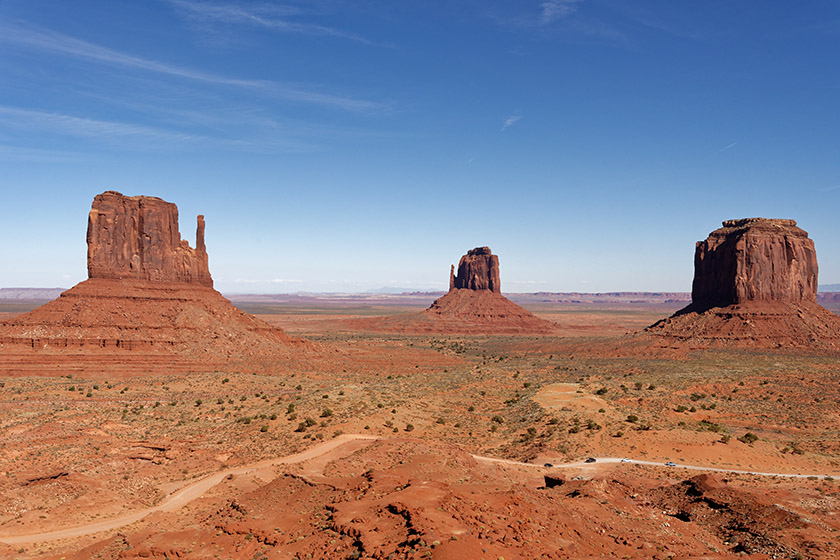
point(755, 284)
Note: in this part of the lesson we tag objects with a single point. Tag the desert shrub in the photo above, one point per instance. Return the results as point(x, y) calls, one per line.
point(326, 413)
point(681, 408)
point(310, 422)
point(264, 429)
point(471, 408)
point(301, 427)
point(602, 391)
point(273, 417)
point(290, 408)
point(497, 419)
point(198, 402)
point(748, 438)
point(632, 418)
point(710, 426)
point(409, 427)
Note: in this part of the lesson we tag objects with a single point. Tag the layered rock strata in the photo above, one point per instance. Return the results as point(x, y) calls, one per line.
point(755, 284)
point(475, 303)
point(149, 296)
point(137, 237)
point(477, 270)
point(755, 259)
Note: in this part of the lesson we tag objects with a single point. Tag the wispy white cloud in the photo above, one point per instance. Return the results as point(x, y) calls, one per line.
point(510, 121)
point(84, 127)
point(50, 41)
point(22, 153)
point(732, 145)
point(268, 16)
point(553, 10)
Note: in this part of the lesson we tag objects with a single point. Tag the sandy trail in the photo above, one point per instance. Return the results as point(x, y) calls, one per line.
point(196, 489)
point(186, 494)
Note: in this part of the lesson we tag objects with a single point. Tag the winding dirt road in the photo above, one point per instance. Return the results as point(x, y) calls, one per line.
point(196, 489)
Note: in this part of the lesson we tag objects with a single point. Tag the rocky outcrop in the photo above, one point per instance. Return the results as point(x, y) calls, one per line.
point(148, 304)
point(477, 270)
point(754, 259)
point(138, 237)
point(755, 284)
point(475, 303)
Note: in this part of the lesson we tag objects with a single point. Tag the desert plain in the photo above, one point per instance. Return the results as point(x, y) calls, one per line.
point(87, 445)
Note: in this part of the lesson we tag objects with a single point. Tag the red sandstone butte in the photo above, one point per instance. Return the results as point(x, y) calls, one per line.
point(475, 303)
point(755, 259)
point(148, 302)
point(755, 284)
point(477, 270)
point(137, 237)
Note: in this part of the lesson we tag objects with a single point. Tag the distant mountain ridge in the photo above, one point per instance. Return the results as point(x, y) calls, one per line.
point(45, 294)
point(828, 292)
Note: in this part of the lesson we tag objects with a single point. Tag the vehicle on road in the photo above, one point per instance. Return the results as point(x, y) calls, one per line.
point(670, 464)
point(548, 465)
point(625, 460)
point(590, 460)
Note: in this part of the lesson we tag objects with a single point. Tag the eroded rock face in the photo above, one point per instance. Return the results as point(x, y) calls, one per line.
point(137, 237)
point(754, 259)
point(477, 270)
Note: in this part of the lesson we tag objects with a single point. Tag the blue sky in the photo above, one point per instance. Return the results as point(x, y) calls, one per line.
point(345, 146)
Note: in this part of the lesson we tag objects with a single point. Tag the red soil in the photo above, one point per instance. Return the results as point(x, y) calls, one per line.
point(135, 323)
point(753, 324)
point(463, 311)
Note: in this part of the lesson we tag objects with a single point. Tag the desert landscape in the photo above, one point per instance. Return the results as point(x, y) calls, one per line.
point(474, 280)
point(144, 416)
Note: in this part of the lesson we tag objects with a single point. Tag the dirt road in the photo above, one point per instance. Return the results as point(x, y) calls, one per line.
point(196, 489)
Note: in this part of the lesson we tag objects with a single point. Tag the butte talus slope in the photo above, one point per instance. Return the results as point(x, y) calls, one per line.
point(148, 301)
point(755, 284)
point(475, 304)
